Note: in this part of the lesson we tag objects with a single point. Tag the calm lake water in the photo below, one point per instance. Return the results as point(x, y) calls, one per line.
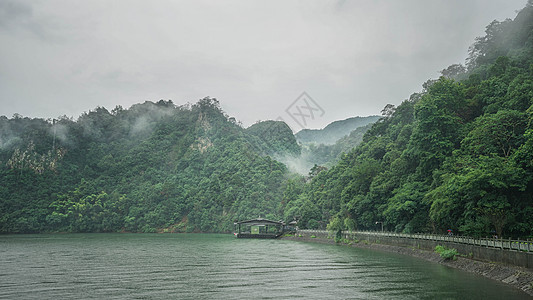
point(206, 266)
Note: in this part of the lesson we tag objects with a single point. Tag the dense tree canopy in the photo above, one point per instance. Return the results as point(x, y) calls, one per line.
point(152, 167)
point(458, 155)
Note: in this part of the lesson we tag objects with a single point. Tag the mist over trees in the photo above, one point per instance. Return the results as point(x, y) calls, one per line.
point(153, 167)
point(458, 155)
point(324, 147)
point(333, 132)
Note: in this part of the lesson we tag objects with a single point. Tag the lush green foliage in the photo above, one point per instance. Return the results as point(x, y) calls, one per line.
point(274, 138)
point(457, 155)
point(153, 167)
point(446, 253)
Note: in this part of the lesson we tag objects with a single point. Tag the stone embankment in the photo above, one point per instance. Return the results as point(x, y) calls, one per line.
point(518, 277)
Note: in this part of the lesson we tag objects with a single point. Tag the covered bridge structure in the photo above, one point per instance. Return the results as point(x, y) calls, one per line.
point(259, 229)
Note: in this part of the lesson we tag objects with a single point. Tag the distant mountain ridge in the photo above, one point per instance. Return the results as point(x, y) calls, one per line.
point(324, 147)
point(334, 131)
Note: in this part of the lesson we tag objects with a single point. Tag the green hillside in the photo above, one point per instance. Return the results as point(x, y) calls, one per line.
point(333, 131)
point(328, 155)
point(458, 155)
point(274, 137)
point(153, 167)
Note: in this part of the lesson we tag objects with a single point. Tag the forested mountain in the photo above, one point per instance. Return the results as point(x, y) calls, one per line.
point(458, 155)
point(274, 138)
point(333, 131)
point(155, 166)
point(328, 155)
point(324, 147)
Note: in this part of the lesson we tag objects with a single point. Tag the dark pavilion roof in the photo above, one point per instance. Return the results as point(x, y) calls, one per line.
point(260, 221)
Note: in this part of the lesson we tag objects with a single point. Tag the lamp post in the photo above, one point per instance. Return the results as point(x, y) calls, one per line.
point(381, 225)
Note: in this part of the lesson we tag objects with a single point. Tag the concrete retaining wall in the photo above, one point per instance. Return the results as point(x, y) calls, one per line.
point(511, 257)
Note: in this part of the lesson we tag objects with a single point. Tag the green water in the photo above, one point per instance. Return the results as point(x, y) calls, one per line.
point(205, 266)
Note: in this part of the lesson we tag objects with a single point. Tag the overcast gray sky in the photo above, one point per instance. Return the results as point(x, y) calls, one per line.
point(255, 57)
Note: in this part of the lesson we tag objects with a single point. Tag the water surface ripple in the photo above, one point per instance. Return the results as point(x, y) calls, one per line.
point(207, 266)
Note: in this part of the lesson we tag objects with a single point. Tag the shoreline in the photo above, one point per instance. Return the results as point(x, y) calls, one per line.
point(516, 277)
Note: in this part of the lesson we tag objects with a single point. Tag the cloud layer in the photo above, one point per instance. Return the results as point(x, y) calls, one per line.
point(352, 57)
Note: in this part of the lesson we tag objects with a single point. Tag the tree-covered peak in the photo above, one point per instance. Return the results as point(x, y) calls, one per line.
point(455, 156)
point(153, 167)
point(274, 138)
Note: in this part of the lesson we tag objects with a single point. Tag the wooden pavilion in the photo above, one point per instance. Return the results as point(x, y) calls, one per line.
point(259, 229)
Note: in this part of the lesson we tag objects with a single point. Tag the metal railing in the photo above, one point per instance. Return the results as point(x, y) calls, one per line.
point(503, 244)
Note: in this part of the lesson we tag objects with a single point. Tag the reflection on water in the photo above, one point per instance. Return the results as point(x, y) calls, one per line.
point(206, 266)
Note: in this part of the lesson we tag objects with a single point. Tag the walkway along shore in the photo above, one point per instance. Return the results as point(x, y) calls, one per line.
point(518, 277)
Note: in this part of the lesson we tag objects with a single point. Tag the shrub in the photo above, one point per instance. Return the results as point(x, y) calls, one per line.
point(347, 241)
point(446, 253)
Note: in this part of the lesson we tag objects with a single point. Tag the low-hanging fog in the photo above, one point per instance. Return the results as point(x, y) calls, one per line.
point(353, 57)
